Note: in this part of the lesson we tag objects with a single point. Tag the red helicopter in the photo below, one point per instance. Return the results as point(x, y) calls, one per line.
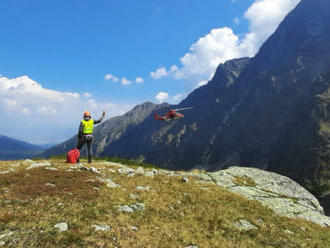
point(171, 115)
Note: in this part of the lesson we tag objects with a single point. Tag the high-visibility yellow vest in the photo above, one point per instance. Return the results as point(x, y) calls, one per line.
point(88, 126)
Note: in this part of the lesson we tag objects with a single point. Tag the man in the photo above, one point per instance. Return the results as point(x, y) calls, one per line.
point(85, 134)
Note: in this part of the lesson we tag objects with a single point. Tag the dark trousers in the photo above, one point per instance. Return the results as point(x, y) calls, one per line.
point(86, 140)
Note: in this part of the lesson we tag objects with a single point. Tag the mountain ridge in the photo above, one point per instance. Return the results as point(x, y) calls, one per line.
point(108, 131)
point(11, 148)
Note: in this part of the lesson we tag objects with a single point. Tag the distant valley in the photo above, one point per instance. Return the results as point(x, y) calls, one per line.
point(16, 149)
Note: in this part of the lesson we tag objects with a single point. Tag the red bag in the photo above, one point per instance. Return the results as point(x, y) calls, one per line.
point(73, 156)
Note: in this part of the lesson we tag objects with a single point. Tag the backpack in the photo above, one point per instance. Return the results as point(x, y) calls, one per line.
point(73, 156)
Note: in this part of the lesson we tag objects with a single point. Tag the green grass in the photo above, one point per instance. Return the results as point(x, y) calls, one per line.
point(177, 214)
point(128, 162)
point(244, 181)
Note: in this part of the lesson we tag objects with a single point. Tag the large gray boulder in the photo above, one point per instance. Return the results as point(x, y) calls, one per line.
point(283, 195)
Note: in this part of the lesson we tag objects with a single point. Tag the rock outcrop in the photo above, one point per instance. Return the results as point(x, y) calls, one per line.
point(280, 193)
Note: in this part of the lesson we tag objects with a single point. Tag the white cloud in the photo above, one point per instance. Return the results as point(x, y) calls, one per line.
point(125, 81)
point(139, 80)
point(87, 94)
point(163, 72)
point(92, 103)
point(26, 106)
point(111, 78)
point(159, 73)
point(47, 110)
point(25, 111)
point(204, 56)
point(174, 69)
point(10, 102)
point(178, 97)
point(209, 51)
point(222, 44)
point(162, 96)
point(202, 83)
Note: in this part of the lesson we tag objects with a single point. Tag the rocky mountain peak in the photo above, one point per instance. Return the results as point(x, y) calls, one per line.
point(144, 105)
point(300, 41)
point(230, 70)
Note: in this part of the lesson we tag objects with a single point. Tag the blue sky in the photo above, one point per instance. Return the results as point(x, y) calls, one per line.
point(59, 55)
point(72, 45)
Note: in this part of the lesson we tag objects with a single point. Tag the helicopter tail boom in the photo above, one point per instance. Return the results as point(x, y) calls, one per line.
point(157, 117)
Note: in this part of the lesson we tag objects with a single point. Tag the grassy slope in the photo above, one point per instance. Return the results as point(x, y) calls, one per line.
point(177, 214)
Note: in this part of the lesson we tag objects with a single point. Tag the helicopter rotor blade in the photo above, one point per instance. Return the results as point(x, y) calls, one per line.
point(180, 109)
